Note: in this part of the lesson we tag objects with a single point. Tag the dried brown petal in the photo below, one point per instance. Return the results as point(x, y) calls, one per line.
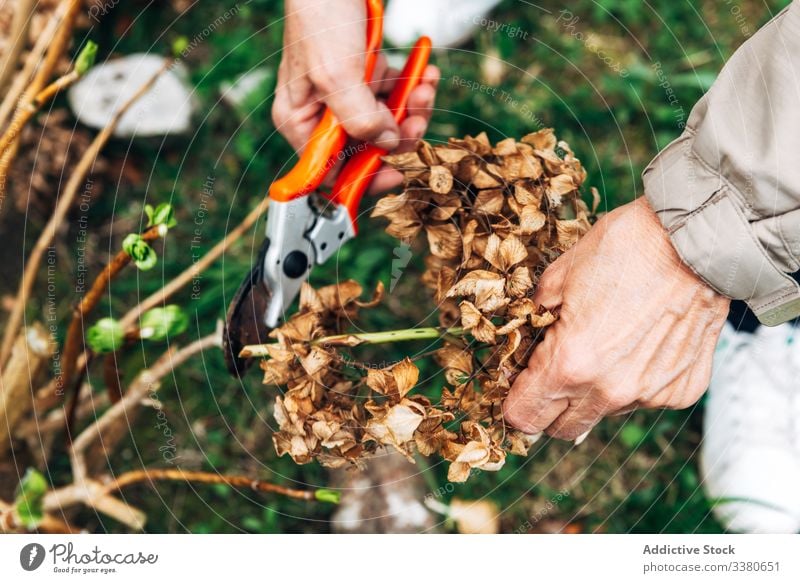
point(489, 202)
point(405, 375)
point(542, 140)
point(444, 207)
point(404, 160)
point(569, 231)
point(503, 255)
point(488, 289)
point(479, 145)
point(531, 219)
point(542, 320)
point(519, 283)
point(479, 326)
point(444, 240)
point(520, 442)
point(558, 187)
point(427, 154)
point(450, 155)
point(441, 180)
point(396, 425)
point(521, 166)
point(456, 361)
point(338, 296)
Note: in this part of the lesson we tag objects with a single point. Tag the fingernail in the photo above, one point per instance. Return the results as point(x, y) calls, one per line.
point(582, 438)
point(388, 140)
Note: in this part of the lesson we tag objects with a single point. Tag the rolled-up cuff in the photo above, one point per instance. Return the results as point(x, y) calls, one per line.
point(712, 235)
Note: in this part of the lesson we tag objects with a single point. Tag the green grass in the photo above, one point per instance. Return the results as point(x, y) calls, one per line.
point(634, 474)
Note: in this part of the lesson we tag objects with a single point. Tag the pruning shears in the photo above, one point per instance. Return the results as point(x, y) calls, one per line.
point(306, 226)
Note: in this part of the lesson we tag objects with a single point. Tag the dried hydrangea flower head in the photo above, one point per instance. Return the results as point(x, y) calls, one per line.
point(495, 216)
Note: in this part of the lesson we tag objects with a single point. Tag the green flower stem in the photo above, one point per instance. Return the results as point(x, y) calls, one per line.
point(357, 339)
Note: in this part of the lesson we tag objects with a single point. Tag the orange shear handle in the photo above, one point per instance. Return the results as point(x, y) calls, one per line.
point(329, 137)
point(356, 176)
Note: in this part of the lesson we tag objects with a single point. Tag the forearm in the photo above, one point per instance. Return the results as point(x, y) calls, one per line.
point(728, 190)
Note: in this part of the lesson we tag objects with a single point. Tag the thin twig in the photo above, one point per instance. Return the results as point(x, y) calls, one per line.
point(192, 272)
point(179, 475)
point(19, 38)
point(22, 80)
point(9, 523)
point(74, 338)
point(55, 51)
point(145, 382)
point(92, 494)
point(57, 47)
point(74, 184)
point(85, 490)
point(28, 110)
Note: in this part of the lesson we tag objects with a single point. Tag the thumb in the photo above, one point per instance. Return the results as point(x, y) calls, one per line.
point(363, 116)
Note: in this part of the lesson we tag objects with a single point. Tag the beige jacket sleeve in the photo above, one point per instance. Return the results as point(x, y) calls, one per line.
point(728, 189)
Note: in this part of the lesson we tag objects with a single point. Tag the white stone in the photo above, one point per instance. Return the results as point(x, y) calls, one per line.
point(165, 109)
point(236, 93)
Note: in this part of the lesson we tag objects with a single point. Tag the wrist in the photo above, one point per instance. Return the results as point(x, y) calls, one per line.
point(657, 242)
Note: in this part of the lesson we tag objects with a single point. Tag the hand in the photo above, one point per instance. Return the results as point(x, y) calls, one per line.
point(323, 64)
point(637, 328)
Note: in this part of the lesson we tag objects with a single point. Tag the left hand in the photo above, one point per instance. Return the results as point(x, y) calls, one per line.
point(637, 328)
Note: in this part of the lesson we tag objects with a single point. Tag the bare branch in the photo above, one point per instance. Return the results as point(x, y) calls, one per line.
point(64, 204)
point(145, 382)
point(179, 475)
point(158, 298)
point(23, 14)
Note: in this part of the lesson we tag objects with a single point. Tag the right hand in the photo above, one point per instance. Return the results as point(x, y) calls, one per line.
point(323, 64)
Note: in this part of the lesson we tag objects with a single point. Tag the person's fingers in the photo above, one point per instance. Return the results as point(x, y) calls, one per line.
point(294, 119)
point(363, 116)
point(381, 72)
point(411, 131)
point(296, 125)
point(420, 102)
point(686, 390)
point(530, 411)
point(625, 410)
point(578, 419)
point(537, 397)
point(550, 291)
point(384, 76)
point(432, 75)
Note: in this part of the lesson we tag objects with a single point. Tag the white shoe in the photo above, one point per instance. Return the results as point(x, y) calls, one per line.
point(449, 23)
point(750, 455)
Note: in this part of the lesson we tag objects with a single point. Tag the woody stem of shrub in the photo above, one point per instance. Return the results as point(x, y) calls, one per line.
point(192, 272)
point(46, 396)
point(178, 475)
point(74, 340)
point(18, 40)
point(357, 339)
point(73, 186)
point(63, 23)
point(26, 112)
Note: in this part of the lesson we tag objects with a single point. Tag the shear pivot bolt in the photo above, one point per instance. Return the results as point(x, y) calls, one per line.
point(296, 264)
